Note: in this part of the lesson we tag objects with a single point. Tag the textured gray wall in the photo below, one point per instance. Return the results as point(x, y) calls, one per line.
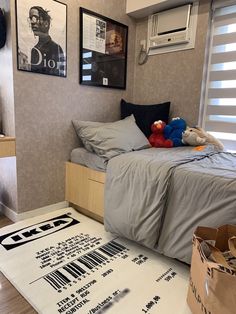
point(45, 106)
point(175, 76)
point(8, 192)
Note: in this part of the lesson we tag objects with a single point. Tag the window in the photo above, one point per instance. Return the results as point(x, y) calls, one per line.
point(219, 117)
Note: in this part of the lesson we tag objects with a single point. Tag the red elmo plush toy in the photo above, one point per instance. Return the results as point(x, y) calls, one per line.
point(157, 139)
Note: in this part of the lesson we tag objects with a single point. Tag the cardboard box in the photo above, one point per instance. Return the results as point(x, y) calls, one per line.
point(212, 287)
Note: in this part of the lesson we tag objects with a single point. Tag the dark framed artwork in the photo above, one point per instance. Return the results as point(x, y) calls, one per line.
point(103, 50)
point(41, 27)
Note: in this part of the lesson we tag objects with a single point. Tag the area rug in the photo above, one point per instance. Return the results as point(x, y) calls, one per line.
point(64, 262)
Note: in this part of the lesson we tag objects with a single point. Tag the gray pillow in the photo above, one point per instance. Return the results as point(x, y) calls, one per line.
point(114, 138)
point(80, 125)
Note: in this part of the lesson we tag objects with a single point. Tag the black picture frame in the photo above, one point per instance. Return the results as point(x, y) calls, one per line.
point(103, 51)
point(41, 31)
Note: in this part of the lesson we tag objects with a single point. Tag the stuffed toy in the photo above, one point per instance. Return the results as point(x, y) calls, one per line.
point(157, 139)
point(174, 130)
point(197, 136)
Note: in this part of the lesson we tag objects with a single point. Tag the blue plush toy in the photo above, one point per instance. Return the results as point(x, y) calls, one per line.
point(174, 130)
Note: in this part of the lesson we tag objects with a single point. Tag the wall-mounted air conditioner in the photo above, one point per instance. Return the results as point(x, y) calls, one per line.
point(173, 27)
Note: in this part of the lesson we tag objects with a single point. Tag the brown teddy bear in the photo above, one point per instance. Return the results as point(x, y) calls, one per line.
point(197, 136)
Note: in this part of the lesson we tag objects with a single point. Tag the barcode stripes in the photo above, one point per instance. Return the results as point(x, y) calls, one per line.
point(79, 267)
point(52, 282)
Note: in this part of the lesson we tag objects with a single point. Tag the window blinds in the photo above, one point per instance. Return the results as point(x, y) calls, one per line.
point(220, 110)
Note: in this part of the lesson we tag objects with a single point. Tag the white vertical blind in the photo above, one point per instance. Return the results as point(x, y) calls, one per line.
point(220, 102)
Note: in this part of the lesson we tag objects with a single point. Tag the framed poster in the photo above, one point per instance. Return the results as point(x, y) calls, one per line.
point(103, 50)
point(41, 27)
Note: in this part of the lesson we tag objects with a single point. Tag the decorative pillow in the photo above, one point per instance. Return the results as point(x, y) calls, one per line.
point(145, 115)
point(80, 125)
point(114, 138)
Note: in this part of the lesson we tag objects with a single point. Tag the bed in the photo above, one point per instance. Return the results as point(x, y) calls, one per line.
point(154, 196)
point(157, 197)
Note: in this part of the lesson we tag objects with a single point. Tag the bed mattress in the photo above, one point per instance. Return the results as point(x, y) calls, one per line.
point(85, 158)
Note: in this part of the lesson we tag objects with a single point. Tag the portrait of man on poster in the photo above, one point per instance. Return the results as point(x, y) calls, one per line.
point(46, 56)
point(42, 41)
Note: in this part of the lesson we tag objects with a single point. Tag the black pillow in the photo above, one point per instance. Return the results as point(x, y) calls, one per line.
point(145, 115)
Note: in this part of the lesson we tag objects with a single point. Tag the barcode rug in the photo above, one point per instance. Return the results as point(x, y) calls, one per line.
point(64, 262)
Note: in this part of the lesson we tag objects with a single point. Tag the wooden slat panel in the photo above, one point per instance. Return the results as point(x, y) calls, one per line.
point(217, 126)
point(222, 93)
point(222, 75)
point(223, 57)
point(224, 39)
point(221, 110)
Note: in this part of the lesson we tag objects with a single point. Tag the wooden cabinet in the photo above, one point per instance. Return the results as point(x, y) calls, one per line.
point(85, 188)
point(7, 146)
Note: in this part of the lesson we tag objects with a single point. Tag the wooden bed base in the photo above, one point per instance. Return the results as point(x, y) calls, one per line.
point(85, 190)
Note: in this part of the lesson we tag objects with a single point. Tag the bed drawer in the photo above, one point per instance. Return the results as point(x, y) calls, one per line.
point(96, 176)
point(85, 188)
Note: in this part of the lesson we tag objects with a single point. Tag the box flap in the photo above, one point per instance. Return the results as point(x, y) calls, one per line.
point(224, 233)
point(206, 233)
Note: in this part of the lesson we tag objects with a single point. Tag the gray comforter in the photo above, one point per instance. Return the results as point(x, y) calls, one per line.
point(157, 197)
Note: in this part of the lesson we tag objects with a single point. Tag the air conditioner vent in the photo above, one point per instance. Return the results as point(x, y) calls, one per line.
point(173, 27)
point(154, 25)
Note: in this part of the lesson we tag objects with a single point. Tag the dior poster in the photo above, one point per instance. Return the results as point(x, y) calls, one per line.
point(41, 36)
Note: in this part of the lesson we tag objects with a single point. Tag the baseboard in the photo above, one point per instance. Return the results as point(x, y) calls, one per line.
point(12, 215)
point(8, 212)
